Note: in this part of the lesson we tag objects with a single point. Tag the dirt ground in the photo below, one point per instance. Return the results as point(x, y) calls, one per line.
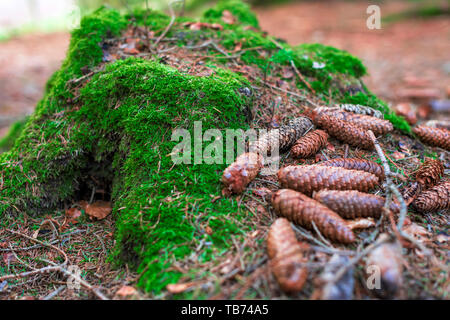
point(400, 56)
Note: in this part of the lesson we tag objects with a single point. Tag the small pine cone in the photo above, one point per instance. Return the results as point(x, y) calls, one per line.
point(307, 179)
point(378, 126)
point(344, 131)
point(434, 199)
point(434, 137)
point(309, 144)
point(303, 211)
point(411, 192)
point(286, 256)
point(356, 164)
point(282, 137)
point(241, 172)
point(360, 109)
point(387, 260)
point(430, 172)
point(353, 204)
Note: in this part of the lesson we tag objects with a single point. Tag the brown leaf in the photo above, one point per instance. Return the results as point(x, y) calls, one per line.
point(398, 155)
point(126, 291)
point(208, 230)
point(262, 192)
point(73, 214)
point(99, 209)
point(228, 17)
point(418, 232)
point(179, 287)
point(287, 72)
point(132, 51)
point(361, 223)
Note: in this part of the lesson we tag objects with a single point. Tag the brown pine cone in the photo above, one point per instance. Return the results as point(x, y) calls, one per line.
point(434, 199)
point(302, 210)
point(387, 260)
point(353, 204)
point(411, 192)
point(434, 137)
point(286, 256)
point(356, 164)
point(241, 172)
point(430, 172)
point(282, 137)
point(307, 179)
point(378, 126)
point(309, 144)
point(344, 131)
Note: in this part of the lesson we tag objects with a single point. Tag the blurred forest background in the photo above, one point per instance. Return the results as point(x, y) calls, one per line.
point(407, 58)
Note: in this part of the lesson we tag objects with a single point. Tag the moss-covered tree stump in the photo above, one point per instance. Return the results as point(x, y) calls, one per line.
point(113, 121)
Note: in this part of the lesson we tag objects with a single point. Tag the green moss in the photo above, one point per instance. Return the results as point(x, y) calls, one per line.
point(119, 126)
point(14, 132)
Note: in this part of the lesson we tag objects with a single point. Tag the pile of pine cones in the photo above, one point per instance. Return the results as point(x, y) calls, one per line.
point(322, 197)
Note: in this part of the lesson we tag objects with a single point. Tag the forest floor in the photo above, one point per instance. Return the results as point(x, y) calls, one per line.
point(406, 60)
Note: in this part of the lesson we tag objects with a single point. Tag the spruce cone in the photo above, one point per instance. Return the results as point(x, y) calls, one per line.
point(411, 192)
point(387, 260)
point(344, 131)
point(307, 179)
point(360, 109)
point(286, 256)
point(247, 166)
point(303, 211)
point(241, 172)
point(434, 137)
point(309, 144)
point(434, 199)
point(282, 137)
point(356, 164)
point(430, 172)
point(353, 204)
point(378, 126)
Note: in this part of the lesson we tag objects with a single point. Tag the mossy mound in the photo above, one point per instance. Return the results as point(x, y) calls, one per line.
point(113, 122)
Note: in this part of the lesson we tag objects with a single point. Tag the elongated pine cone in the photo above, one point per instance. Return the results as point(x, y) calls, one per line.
point(430, 172)
point(434, 199)
point(353, 204)
point(303, 211)
point(360, 109)
point(378, 126)
point(344, 131)
point(283, 137)
point(435, 137)
point(309, 144)
point(387, 260)
point(307, 179)
point(411, 192)
point(286, 256)
point(241, 172)
point(356, 164)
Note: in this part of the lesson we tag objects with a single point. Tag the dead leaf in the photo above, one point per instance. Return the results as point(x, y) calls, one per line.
point(360, 223)
point(179, 287)
point(99, 209)
point(418, 232)
point(132, 51)
point(126, 291)
point(228, 17)
point(287, 73)
point(203, 25)
point(441, 238)
point(73, 214)
point(262, 192)
point(208, 230)
point(398, 155)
